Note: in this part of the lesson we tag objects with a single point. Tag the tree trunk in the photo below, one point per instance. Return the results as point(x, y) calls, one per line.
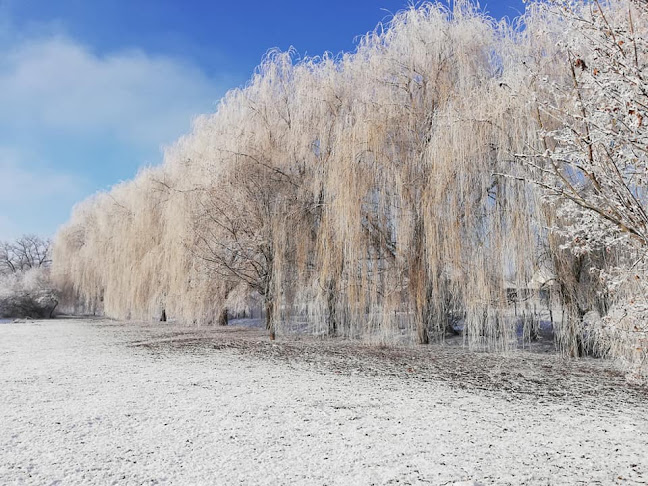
point(51, 314)
point(331, 314)
point(270, 324)
point(222, 318)
point(419, 284)
point(422, 334)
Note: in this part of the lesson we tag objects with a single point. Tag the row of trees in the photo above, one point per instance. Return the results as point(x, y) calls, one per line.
point(386, 192)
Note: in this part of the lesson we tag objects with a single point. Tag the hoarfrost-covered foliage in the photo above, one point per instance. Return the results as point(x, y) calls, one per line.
point(384, 194)
point(25, 286)
point(595, 164)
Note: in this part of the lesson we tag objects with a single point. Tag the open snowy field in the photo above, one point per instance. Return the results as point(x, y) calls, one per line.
point(102, 402)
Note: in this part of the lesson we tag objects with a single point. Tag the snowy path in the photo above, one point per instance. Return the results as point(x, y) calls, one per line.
point(96, 402)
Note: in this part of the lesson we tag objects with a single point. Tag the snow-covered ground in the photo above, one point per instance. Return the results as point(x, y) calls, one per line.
point(101, 402)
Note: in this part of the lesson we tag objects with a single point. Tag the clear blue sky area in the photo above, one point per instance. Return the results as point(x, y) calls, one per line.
point(221, 35)
point(93, 89)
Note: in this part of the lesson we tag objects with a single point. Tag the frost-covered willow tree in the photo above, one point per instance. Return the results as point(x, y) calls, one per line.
point(252, 193)
point(112, 246)
point(416, 228)
point(367, 195)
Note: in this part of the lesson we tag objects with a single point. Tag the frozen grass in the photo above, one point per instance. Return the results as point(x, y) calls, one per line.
point(103, 402)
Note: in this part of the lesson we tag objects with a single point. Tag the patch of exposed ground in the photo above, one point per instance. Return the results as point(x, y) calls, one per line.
point(518, 374)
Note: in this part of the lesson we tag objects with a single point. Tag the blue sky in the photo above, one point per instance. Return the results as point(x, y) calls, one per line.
point(91, 90)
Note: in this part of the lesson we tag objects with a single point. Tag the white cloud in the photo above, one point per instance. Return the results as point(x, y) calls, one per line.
point(73, 121)
point(58, 84)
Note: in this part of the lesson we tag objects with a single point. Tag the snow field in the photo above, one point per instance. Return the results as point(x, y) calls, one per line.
point(84, 402)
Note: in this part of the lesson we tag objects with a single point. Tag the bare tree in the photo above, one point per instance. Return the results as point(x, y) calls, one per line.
point(26, 252)
point(25, 286)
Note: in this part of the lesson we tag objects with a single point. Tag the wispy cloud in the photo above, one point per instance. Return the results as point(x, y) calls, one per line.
point(69, 114)
point(58, 84)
